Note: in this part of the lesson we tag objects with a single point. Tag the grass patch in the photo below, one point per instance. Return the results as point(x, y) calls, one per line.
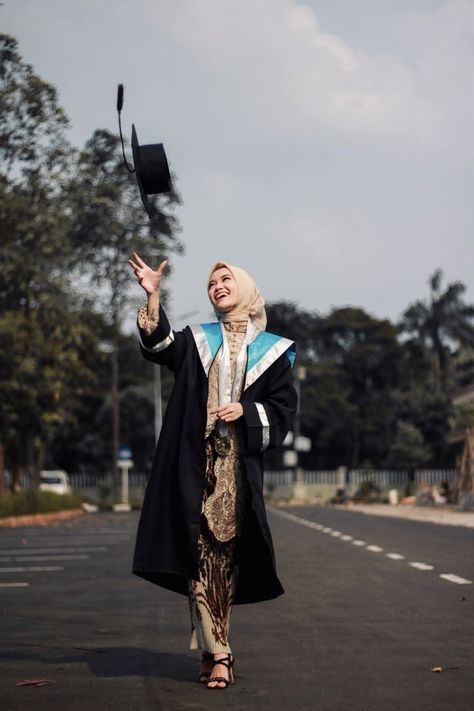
point(23, 503)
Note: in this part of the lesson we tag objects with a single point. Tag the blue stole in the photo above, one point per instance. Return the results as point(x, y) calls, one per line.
point(264, 350)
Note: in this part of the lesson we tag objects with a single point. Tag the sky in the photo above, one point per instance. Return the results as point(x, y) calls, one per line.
point(325, 146)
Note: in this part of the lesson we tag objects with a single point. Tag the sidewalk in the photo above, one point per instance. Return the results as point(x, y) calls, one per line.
point(39, 519)
point(446, 514)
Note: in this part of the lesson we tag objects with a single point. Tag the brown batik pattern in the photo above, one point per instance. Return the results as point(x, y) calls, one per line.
point(213, 594)
point(211, 597)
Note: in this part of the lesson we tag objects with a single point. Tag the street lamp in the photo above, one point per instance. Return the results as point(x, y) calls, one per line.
point(300, 376)
point(111, 347)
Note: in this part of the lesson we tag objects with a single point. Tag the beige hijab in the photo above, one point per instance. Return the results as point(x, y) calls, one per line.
point(251, 303)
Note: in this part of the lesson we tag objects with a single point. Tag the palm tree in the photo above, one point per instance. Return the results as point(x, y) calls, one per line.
point(440, 323)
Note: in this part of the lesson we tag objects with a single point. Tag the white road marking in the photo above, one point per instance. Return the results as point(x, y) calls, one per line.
point(288, 515)
point(32, 569)
point(62, 549)
point(14, 585)
point(450, 577)
point(421, 566)
point(455, 579)
point(27, 558)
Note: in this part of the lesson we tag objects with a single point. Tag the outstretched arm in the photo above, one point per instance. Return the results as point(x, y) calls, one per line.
point(158, 343)
point(150, 281)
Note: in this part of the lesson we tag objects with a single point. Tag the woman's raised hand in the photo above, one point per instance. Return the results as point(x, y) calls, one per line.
point(148, 278)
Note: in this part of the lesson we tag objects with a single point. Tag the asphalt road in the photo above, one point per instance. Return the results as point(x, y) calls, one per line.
point(359, 628)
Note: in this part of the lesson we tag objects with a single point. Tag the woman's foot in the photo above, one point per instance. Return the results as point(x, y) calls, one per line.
point(207, 662)
point(222, 672)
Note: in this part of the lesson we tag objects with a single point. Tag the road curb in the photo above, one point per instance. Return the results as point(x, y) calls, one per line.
point(40, 519)
point(424, 514)
point(416, 513)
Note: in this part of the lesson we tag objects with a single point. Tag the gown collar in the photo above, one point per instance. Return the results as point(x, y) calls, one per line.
point(262, 352)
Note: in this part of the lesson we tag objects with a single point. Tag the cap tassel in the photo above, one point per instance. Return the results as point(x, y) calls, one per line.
point(119, 109)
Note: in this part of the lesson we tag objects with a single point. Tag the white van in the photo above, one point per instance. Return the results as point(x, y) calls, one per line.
point(56, 481)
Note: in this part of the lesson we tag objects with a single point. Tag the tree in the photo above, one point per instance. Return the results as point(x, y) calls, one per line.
point(41, 330)
point(365, 352)
point(83, 444)
point(44, 373)
point(352, 361)
point(407, 450)
point(364, 376)
point(439, 323)
point(32, 123)
point(108, 224)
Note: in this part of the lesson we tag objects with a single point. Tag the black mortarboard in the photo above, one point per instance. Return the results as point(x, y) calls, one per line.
point(151, 169)
point(150, 163)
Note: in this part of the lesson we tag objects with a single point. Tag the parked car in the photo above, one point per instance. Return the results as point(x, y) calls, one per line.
point(57, 481)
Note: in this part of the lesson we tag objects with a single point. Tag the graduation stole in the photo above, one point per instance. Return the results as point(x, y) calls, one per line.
point(262, 352)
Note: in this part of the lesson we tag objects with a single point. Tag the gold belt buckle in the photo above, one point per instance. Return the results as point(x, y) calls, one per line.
point(221, 445)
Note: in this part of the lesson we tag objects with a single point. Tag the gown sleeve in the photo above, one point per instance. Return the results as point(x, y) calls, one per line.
point(265, 424)
point(160, 344)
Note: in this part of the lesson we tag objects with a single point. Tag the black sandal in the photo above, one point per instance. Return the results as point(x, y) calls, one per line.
point(203, 676)
point(227, 662)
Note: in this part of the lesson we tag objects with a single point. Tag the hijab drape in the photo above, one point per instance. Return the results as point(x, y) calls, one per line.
point(251, 303)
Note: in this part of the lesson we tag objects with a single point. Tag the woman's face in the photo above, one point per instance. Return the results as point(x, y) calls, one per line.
point(223, 290)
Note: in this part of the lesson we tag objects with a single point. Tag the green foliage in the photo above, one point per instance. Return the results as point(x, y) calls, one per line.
point(44, 370)
point(83, 444)
point(375, 392)
point(407, 450)
point(353, 366)
point(69, 221)
point(438, 323)
point(368, 492)
point(35, 501)
point(42, 333)
point(32, 124)
point(364, 377)
point(108, 222)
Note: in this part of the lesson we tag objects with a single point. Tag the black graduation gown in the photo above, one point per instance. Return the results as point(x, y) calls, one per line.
point(166, 551)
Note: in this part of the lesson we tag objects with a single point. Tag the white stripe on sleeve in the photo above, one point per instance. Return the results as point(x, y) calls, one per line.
point(159, 346)
point(265, 425)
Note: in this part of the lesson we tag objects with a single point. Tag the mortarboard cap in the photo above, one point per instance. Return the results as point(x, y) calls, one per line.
point(151, 169)
point(150, 163)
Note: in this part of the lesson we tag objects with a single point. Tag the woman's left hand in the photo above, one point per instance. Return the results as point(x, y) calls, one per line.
point(230, 412)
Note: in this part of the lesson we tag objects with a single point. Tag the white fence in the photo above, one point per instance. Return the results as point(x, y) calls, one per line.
point(435, 476)
point(321, 476)
point(274, 479)
point(383, 478)
point(91, 480)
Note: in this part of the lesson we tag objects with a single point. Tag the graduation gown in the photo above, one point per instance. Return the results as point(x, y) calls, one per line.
point(166, 550)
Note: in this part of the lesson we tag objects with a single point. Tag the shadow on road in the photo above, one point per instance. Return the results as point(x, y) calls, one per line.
point(109, 662)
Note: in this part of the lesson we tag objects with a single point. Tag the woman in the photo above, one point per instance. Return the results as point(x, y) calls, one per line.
point(203, 530)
